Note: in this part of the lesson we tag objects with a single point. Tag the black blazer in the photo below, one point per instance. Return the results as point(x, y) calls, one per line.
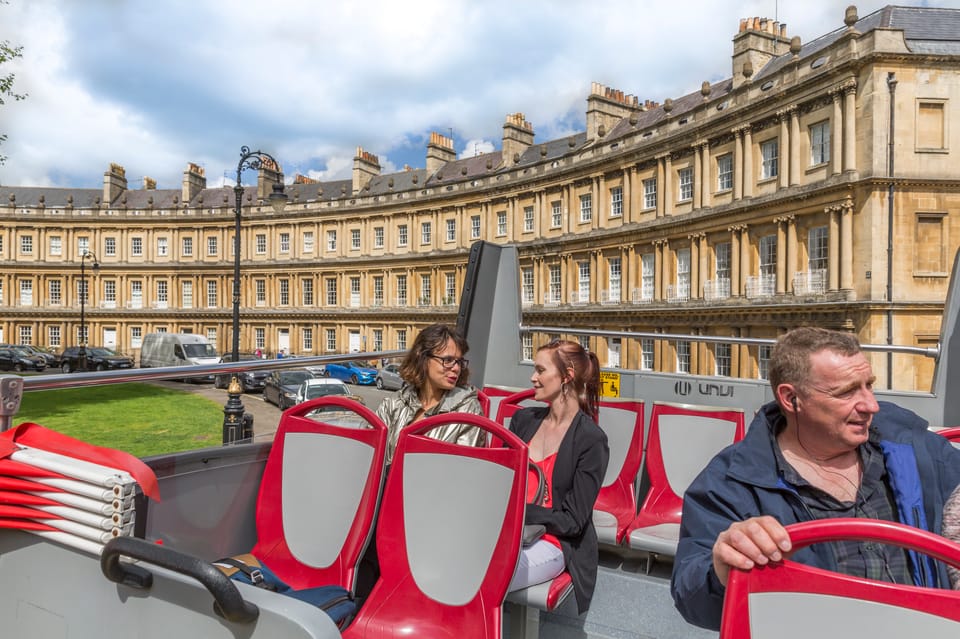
point(577, 475)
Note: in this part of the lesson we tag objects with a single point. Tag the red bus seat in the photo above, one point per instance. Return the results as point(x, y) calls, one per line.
point(788, 600)
point(319, 493)
point(616, 505)
point(495, 395)
point(952, 433)
point(452, 519)
point(683, 439)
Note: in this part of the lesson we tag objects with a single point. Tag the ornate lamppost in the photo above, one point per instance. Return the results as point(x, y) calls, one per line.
point(82, 351)
point(233, 410)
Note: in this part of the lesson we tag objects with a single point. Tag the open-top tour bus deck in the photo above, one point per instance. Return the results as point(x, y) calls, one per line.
point(447, 518)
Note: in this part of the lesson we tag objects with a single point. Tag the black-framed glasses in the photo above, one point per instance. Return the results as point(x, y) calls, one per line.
point(449, 362)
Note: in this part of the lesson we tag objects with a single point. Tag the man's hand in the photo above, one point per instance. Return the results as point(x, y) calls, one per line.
point(745, 544)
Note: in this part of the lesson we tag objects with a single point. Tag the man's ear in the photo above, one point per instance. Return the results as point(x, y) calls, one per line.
point(786, 396)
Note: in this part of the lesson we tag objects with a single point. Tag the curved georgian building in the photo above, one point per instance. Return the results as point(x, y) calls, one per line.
point(816, 185)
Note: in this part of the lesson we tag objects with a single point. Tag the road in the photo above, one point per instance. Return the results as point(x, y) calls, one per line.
point(266, 416)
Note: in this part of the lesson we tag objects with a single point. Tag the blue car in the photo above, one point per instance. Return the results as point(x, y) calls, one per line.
point(353, 372)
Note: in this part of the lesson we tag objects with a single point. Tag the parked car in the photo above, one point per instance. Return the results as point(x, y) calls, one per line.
point(281, 386)
point(353, 372)
point(20, 360)
point(98, 359)
point(49, 357)
point(388, 377)
point(249, 380)
point(322, 387)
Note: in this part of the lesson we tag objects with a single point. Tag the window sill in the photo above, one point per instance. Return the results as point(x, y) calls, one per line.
point(933, 150)
point(767, 180)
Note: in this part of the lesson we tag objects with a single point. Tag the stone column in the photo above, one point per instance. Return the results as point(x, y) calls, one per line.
point(747, 162)
point(661, 187)
point(660, 259)
point(850, 125)
point(846, 245)
point(836, 135)
point(706, 181)
point(694, 265)
point(794, 147)
point(737, 164)
point(784, 147)
point(704, 265)
point(833, 252)
point(791, 251)
point(736, 277)
point(599, 197)
point(781, 255)
point(668, 198)
point(698, 177)
point(695, 348)
point(626, 197)
point(744, 258)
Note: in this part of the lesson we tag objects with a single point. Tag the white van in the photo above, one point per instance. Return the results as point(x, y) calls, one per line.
point(176, 349)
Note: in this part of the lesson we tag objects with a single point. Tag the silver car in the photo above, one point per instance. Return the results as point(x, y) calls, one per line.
point(388, 377)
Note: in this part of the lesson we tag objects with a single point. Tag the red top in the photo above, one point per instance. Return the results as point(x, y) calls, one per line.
point(533, 481)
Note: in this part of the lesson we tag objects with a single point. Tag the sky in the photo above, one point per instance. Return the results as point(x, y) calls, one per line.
point(154, 85)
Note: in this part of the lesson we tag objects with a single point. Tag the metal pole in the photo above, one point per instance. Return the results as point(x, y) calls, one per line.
point(238, 191)
point(235, 427)
point(892, 86)
point(82, 351)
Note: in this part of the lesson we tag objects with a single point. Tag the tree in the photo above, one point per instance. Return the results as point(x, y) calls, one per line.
point(8, 52)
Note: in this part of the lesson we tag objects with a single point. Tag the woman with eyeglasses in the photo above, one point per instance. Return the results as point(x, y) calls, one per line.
point(435, 375)
point(571, 453)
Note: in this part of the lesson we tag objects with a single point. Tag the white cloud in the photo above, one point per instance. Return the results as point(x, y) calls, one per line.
point(153, 86)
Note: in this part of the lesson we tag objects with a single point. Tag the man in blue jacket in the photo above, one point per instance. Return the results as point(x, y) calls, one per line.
point(824, 448)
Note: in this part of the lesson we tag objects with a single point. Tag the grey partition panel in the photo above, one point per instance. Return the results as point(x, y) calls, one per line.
point(688, 443)
point(489, 315)
point(618, 424)
point(323, 481)
point(786, 615)
point(453, 511)
point(208, 500)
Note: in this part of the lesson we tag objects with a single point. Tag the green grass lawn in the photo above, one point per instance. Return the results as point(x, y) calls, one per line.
point(140, 419)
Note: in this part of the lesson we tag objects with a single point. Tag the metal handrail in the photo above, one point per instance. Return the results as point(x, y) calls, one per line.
point(74, 380)
point(933, 351)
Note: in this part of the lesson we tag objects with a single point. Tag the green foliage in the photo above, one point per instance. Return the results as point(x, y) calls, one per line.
point(141, 419)
point(8, 52)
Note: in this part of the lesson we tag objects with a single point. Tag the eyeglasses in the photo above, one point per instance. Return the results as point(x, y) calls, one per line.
point(449, 362)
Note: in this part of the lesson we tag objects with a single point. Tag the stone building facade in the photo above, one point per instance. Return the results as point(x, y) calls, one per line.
point(758, 203)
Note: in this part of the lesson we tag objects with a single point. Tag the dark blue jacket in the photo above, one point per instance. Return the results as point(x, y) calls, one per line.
point(742, 482)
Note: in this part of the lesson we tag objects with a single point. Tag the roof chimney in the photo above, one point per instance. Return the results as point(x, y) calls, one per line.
point(517, 136)
point(758, 41)
point(268, 175)
point(194, 181)
point(365, 167)
point(114, 183)
point(606, 107)
point(439, 152)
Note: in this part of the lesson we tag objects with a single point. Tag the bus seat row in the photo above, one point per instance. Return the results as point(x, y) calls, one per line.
point(449, 525)
point(681, 441)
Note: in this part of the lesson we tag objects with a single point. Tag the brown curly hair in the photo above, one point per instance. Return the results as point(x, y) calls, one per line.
point(413, 369)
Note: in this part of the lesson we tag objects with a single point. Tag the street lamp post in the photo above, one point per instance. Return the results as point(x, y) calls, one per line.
point(82, 351)
point(233, 410)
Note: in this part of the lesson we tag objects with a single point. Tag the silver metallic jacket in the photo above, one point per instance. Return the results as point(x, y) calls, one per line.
point(399, 409)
